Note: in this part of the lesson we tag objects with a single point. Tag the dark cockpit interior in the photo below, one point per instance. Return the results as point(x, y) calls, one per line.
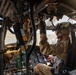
point(23, 18)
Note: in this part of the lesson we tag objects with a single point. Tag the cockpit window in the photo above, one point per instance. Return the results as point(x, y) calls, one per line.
point(50, 35)
point(10, 38)
point(55, 21)
point(1, 18)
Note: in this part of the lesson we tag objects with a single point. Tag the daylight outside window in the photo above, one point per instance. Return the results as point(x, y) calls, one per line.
point(10, 38)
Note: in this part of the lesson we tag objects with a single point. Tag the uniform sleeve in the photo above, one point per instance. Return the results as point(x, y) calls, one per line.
point(47, 49)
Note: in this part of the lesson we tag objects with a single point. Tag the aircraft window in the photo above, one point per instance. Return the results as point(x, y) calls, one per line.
point(0, 26)
point(55, 21)
point(10, 38)
point(50, 35)
point(1, 18)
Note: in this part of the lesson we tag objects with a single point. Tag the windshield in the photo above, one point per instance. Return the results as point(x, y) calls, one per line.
point(10, 38)
point(55, 21)
point(50, 35)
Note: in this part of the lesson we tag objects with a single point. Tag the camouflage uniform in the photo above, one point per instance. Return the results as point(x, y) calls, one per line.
point(59, 50)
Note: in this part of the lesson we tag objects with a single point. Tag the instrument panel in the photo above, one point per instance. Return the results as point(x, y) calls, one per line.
point(17, 64)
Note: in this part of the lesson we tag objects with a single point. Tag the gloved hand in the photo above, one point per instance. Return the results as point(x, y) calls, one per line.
point(50, 57)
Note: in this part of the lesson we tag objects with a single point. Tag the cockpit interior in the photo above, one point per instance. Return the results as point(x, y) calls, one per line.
point(20, 23)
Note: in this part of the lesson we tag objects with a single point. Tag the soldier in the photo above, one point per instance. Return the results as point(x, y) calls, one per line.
point(56, 53)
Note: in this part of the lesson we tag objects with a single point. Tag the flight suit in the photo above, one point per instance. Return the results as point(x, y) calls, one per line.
point(59, 49)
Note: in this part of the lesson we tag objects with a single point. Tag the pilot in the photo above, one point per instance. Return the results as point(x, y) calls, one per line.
point(56, 53)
